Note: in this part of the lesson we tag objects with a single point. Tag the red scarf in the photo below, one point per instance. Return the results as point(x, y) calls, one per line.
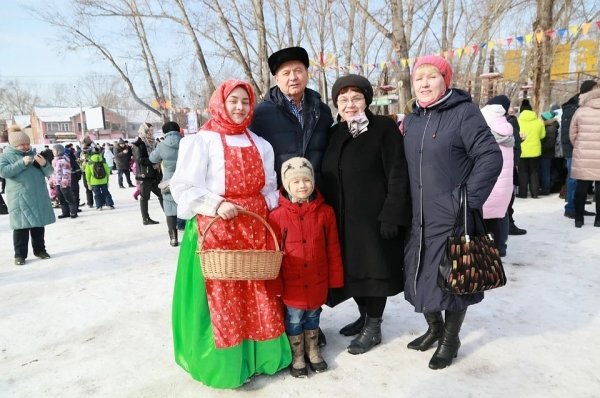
point(220, 121)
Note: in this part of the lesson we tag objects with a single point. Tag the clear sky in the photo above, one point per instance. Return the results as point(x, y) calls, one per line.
point(30, 52)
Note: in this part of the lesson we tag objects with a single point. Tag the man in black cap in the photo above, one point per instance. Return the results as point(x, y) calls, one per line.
point(292, 118)
point(568, 110)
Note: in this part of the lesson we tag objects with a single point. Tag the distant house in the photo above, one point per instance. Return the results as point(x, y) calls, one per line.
point(53, 124)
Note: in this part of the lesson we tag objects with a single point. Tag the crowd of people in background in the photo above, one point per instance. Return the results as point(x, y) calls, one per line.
point(362, 206)
point(65, 166)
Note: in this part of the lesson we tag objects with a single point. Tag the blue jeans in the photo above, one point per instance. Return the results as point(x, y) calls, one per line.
point(102, 196)
point(571, 184)
point(545, 175)
point(297, 320)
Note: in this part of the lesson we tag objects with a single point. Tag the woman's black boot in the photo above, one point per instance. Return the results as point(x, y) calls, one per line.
point(368, 338)
point(450, 343)
point(355, 327)
point(432, 335)
point(172, 225)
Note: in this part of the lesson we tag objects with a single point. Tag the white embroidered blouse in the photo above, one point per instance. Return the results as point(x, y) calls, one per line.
point(198, 184)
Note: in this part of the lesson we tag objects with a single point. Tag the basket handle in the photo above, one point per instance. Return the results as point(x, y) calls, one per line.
point(241, 211)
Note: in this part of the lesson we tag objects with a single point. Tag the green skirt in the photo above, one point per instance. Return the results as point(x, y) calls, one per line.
point(193, 340)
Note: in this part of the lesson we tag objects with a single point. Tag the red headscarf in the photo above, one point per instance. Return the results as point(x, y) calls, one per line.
point(220, 121)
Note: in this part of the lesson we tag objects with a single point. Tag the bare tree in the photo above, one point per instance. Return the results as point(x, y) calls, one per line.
point(15, 99)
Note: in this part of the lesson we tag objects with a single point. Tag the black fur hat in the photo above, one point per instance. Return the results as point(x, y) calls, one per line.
point(287, 54)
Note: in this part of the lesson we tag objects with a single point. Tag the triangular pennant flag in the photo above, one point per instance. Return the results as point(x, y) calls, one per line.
point(509, 41)
point(491, 44)
point(598, 24)
point(539, 36)
point(499, 42)
point(585, 27)
point(482, 45)
point(459, 52)
point(573, 29)
point(468, 50)
point(562, 32)
point(550, 33)
point(519, 40)
point(404, 63)
point(475, 48)
point(528, 38)
point(451, 54)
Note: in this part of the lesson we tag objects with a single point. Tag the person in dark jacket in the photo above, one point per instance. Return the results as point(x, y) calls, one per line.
point(568, 110)
point(147, 173)
point(548, 147)
point(365, 180)
point(123, 155)
point(292, 118)
point(447, 145)
point(75, 172)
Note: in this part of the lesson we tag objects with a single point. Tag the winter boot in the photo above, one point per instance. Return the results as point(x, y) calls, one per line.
point(322, 341)
point(172, 225)
point(144, 210)
point(298, 366)
point(432, 335)
point(450, 343)
point(355, 327)
point(368, 338)
point(313, 354)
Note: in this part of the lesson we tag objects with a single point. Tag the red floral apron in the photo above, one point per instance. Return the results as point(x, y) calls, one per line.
point(241, 310)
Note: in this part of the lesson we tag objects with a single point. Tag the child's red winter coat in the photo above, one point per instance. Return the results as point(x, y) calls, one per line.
point(312, 261)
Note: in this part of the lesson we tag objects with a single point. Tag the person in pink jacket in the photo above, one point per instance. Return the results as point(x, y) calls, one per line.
point(585, 137)
point(496, 205)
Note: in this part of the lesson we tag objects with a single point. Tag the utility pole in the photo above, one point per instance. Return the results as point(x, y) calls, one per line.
point(170, 94)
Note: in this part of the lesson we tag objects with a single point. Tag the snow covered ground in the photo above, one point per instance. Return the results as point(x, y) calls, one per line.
point(94, 320)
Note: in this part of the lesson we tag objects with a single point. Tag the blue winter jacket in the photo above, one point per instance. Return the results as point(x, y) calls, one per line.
point(166, 153)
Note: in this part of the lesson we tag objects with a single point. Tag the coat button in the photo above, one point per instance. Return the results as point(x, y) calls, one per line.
point(305, 265)
point(303, 240)
point(301, 218)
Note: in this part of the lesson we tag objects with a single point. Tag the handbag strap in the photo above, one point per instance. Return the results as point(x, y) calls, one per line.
point(464, 207)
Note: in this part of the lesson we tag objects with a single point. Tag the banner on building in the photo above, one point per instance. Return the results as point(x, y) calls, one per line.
point(559, 70)
point(512, 65)
point(587, 56)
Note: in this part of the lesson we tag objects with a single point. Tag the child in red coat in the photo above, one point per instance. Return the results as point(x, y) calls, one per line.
point(312, 262)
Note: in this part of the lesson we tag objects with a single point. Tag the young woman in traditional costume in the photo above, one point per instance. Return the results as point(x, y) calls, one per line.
point(225, 332)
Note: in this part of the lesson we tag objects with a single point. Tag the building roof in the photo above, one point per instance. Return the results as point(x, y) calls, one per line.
point(56, 114)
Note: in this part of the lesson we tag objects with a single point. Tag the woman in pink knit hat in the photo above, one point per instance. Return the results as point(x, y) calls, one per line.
point(448, 145)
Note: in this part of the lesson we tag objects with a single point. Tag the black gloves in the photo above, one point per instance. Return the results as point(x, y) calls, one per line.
point(388, 231)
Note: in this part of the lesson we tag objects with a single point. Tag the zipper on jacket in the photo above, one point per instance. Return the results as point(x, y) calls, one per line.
point(421, 199)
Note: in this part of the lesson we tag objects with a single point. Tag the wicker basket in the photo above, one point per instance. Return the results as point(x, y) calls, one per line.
point(240, 264)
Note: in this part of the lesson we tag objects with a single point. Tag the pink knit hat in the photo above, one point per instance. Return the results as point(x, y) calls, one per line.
point(443, 66)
